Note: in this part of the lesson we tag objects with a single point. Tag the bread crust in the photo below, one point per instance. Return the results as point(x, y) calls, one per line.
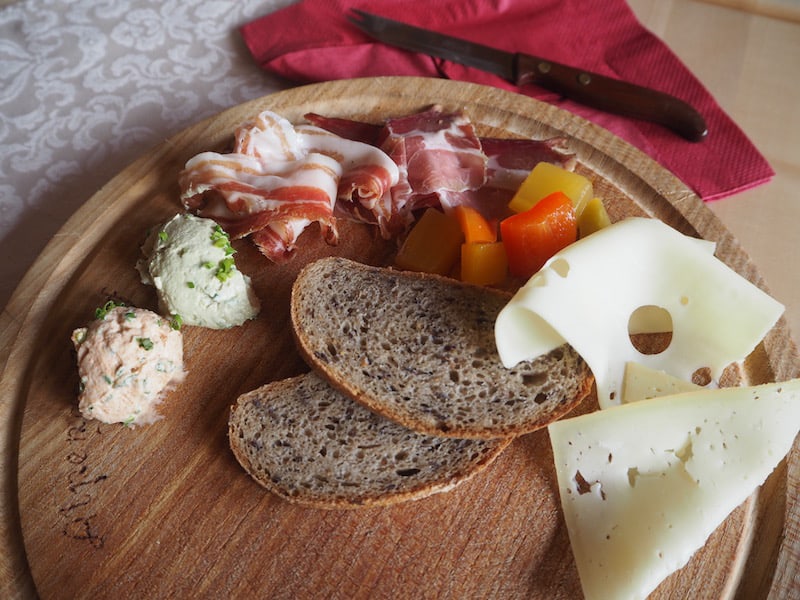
point(368, 329)
point(306, 442)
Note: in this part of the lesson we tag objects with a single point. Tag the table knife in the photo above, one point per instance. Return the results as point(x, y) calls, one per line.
point(598, 91)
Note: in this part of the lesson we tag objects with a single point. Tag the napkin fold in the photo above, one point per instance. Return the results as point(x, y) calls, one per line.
point(312, 41)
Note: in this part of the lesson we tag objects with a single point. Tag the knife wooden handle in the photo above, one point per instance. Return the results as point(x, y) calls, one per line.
point(612, 95)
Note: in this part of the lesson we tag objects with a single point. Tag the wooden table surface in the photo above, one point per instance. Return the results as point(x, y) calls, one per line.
point(746, 52)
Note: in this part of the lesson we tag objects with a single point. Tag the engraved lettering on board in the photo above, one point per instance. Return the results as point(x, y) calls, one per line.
point(82, 478)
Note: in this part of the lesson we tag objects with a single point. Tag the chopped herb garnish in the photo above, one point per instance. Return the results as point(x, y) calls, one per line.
point(220, 239)
point(145, 343)
point(100, 313)
point(225, 269)
point(129, 421)
point(218, 235)
point(130, 315)
point(163, 236)
point(176, 322)
point(107, 379)
point(190, 284)
point(208, 264)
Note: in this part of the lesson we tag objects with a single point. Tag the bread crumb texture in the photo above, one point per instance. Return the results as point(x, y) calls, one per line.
point(420, 349)
point(310, 444)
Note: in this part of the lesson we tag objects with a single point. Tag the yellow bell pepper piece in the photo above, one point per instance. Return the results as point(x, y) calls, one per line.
point(546, 178)
point(484, 263)
point(433, 244)
point(593, 218)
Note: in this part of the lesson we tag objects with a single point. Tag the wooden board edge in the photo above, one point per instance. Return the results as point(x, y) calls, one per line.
point(25, 309)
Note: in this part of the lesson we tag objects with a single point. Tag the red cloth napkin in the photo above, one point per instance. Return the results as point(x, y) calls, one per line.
point(312, 41)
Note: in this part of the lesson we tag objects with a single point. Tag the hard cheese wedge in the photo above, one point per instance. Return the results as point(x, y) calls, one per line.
point(588, 293)
point(643, 485)
point(643, 383)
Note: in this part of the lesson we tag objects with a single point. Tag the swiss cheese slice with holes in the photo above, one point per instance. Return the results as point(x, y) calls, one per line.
point(592, 292)
point(643, 485)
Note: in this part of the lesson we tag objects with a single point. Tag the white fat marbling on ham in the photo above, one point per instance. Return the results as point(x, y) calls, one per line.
point(268, 137)
point(438, 154)
point(511, 160)
point(367, 172)
point(245, 194)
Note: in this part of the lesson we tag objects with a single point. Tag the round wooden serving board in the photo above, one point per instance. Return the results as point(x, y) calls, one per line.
point(102, 511)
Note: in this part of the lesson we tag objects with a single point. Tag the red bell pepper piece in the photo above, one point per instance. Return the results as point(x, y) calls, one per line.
point(533, 236)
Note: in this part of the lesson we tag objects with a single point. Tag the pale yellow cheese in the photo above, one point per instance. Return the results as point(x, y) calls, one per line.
point(643, 485)
point(588, 293)
point(644, 383)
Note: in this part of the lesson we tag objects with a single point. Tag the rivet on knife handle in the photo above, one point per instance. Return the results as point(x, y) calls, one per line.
point(612, 95)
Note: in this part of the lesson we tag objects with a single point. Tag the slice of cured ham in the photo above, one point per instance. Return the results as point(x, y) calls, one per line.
point(245, 196)
point(367, 172)
point(438, 154)
point(509, 162)
point(443, 163)
point(279, 179)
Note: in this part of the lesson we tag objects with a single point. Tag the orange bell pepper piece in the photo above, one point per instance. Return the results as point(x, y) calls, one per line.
point(474, 226)
point(533, 236)
point(433, 244)
point(484, 263)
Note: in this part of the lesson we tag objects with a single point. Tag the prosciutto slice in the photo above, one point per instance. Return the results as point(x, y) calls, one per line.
point(438, 155)
point(509, 161)
point(443, 163)
point(279, 179)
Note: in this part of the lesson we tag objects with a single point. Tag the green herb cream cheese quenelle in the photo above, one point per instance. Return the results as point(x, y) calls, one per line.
point(190, 262)
point(127, 359)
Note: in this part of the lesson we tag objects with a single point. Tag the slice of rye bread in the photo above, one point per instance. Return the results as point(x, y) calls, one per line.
point(310, 444)
point(420, 349)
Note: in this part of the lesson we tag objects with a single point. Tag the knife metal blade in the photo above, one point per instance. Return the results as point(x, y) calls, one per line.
point(598, 91)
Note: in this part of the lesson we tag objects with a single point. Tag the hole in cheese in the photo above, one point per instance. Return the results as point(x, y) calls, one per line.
point(633, 474)
point(581, 485)
point(561, 267)
point(702, 376)
point(650, 318)
point(650, 329)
